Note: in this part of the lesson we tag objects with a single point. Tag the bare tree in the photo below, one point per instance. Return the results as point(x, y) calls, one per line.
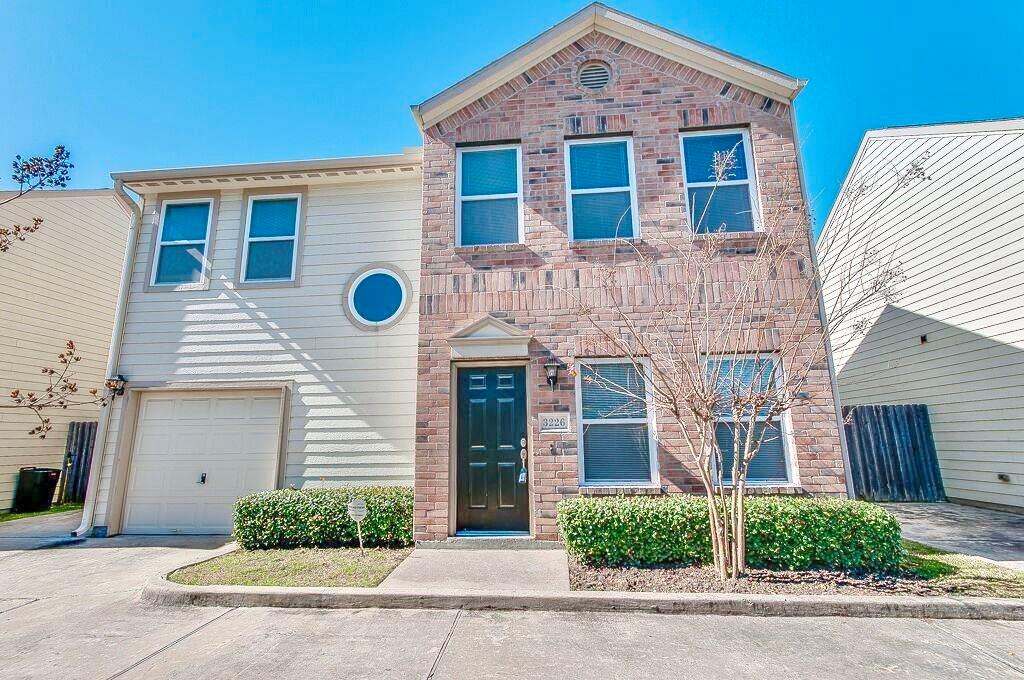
point(37, 172)
point(60, 390)
point(724, 333)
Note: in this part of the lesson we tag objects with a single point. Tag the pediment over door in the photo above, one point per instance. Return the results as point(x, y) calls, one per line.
point(490, 338)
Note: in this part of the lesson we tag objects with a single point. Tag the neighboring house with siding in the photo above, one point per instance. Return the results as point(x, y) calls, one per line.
point(954, 338)
point(394, 319)
point(59, 284)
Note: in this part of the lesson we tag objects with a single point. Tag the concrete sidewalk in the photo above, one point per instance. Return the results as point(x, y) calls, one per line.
point(75, 613)
point(496, 571)
point(994, 535)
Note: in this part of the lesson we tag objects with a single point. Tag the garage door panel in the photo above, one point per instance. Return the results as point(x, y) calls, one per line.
point(191, 441)
point(228, 441)
point(155, 409)
point(193, 409)
point(260, 441)
point(266, 407)
point(231, 408)
point(232, 438)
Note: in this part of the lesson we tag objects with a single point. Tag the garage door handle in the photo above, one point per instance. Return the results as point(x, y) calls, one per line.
point(202, 478)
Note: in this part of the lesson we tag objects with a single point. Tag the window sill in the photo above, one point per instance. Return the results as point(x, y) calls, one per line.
point(635, 490)
point(777, 489)
point(603, 242)
point(491, 248)
point(256, 285)
point(730, 237)
point(177, 287)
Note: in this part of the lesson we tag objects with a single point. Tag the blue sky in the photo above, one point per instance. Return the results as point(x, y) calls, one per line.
point(145, 84)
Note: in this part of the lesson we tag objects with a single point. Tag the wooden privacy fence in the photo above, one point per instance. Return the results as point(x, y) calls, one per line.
point(892, 453)
point(77, 458)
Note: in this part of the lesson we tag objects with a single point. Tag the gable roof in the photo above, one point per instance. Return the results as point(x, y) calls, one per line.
point(604, 19)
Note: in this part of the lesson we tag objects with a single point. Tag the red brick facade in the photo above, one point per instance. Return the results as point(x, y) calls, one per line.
point(532, 286)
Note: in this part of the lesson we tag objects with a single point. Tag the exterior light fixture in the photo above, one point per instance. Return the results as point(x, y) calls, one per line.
point(117, 385)
point(551, 369)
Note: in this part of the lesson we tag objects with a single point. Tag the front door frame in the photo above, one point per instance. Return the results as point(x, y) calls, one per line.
point(453, 437)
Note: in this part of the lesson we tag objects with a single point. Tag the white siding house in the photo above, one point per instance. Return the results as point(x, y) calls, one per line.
point(59, 284)
point(237, 386)
point(954, 338)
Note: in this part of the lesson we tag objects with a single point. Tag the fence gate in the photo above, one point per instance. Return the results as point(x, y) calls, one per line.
point(892, 453)
point(77, 458)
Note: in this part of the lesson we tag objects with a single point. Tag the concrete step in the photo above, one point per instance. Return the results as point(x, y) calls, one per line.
point(490, 542)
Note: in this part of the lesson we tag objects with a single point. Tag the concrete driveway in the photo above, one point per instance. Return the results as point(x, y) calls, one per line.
point(994, 535)
point(32, 532)
point(74, 612)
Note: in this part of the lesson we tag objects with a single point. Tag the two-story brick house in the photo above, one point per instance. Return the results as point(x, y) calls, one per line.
point(529, 166)
point(272, 335)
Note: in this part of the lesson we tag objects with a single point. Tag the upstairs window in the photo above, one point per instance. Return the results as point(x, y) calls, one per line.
point(740, 375)
point(489, 202)
point(602, 189)
point(719, 204)
point(271, 233)
point(616, 424)
point(182, 240)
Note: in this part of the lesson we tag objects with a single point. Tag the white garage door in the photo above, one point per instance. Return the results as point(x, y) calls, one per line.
point(195, 454)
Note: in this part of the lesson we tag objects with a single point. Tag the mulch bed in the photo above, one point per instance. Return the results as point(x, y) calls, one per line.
point(694, 579)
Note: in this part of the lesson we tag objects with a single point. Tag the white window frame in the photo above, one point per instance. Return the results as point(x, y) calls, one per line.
point(459, 198)
point(294, 238)
point(352, 297)
point(750, 181)
point(160, 243)
point(785, 424)
point(570, 192)
point(650, 421)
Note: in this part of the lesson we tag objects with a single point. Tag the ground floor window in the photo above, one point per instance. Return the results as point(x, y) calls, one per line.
point(741, 375)
point(616, 424)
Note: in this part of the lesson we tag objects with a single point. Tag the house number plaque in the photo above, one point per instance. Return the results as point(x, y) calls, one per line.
point(555, 421)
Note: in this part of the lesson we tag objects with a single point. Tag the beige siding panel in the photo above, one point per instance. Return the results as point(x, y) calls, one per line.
point(59, 284)
point(351, 417)
point(958, 238)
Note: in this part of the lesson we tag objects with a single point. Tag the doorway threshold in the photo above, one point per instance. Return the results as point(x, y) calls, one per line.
point(491, 540)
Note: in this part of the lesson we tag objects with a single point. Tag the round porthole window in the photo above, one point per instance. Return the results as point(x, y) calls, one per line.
point(376, 297)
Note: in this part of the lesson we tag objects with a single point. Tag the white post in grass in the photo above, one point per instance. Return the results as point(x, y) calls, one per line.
point(357, 513)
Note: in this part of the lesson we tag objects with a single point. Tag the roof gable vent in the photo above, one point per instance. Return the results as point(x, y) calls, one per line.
point(595, 75)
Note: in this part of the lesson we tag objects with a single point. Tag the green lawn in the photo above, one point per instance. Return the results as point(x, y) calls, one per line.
point(54, 509)
point(297, 567)
point(955, 574)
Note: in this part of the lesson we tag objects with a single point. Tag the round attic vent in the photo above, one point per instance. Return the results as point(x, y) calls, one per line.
point(595, 75)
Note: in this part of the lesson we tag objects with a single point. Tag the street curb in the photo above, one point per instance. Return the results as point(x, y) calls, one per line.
point(160, 591)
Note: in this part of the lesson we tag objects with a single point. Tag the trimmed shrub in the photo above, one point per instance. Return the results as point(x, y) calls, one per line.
point(782, 532)
point(831, 533)
point(318, 518)
point(636, 529)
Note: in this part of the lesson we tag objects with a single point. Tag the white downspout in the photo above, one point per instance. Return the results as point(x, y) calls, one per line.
point(114, 356)
point(847, 476)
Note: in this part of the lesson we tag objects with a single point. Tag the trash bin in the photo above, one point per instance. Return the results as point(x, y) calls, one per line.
point(35, 488)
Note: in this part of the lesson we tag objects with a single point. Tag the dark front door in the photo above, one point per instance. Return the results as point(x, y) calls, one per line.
point(492, 494)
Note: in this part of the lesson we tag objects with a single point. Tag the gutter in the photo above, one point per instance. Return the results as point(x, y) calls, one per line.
point(114, 356)
point(847, 476)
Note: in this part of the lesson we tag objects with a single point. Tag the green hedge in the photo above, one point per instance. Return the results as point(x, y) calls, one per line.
point(782, 532)
point(287, 518)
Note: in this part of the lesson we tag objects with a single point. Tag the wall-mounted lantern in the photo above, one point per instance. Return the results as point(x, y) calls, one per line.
point(117, 385)
point(551, 369)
